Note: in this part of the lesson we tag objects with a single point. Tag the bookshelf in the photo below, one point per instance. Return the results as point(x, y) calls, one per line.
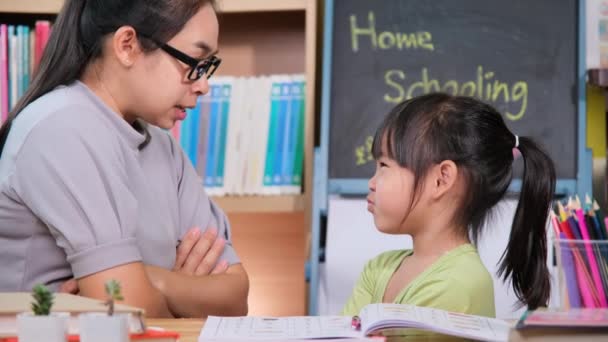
point(31, 6)
point(257, 37)
point(257, 204)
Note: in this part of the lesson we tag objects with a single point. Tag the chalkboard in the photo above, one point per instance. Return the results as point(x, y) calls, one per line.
point(519, 56)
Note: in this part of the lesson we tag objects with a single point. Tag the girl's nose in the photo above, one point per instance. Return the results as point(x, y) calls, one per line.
point(372, 184)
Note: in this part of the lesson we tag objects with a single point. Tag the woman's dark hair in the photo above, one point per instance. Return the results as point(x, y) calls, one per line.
point(426, 130)
point(77, 37)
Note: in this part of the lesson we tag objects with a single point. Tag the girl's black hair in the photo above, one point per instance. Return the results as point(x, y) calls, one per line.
point(77, 36)
point(426, 130)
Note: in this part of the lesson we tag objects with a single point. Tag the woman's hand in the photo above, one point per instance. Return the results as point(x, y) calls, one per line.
point(197, 254)
point(70, 286)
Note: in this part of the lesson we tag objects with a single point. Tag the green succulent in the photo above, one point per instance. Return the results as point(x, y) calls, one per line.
point(43, 300)
point(113, 292)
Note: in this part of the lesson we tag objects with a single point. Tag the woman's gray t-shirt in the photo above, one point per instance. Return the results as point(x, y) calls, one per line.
point(78, 196)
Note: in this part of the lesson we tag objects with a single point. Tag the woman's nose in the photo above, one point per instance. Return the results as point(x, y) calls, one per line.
point(201, 86)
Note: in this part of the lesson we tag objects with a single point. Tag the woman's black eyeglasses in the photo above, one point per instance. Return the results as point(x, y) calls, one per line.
point(198, 68)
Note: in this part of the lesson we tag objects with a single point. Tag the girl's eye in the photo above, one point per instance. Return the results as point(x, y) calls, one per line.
point(382, 164)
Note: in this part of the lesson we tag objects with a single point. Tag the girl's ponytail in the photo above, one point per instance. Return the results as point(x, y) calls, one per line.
point(525, 259)
point(62, 62)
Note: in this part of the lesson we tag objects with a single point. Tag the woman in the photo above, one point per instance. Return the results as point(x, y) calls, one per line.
point(93, 187)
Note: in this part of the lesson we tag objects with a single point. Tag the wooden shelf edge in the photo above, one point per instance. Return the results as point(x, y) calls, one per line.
point(225, 6)
point(31, 6)
point(240, 6)
point(261, 204)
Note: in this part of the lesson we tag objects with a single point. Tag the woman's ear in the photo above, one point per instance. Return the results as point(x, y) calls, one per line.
point(125, 45)
point(444, 177)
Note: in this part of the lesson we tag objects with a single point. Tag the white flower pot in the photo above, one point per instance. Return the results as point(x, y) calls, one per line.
point(99, 327)
point(51, 328)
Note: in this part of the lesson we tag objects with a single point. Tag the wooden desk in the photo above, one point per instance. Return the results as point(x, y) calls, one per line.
point(188, 328)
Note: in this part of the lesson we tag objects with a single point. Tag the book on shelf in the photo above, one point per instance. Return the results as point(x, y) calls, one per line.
point(246, 137)
point(374, 319)
point(13, 303)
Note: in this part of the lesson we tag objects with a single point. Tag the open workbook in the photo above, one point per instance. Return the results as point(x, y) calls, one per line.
point(374, 318)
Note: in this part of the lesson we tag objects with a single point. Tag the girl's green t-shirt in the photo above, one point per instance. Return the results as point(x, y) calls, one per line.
point(458, 281)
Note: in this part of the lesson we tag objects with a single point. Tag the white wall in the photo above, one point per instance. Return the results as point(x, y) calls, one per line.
point(592, 9)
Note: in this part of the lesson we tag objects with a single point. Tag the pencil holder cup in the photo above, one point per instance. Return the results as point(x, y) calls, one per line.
point(582, 273)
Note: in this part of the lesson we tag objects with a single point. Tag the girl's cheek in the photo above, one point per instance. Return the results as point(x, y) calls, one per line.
point(379, 190)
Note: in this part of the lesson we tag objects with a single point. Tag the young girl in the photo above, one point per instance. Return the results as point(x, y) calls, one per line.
point(92, 187)
point(442, 163)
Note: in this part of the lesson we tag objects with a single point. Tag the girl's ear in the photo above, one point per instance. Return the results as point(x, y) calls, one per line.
point(125, 45)
point(444, 177)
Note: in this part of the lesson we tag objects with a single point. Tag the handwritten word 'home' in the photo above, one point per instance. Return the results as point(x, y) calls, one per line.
point(387, 40)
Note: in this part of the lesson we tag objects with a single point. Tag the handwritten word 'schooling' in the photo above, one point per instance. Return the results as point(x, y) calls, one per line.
point(483, 86)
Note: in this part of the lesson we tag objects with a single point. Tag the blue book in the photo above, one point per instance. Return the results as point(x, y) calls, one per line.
point(19, 61)
point(271, 147)
point(290, 135)
point(298, 163)
point(223, 133)
point(281, 134)
point(204, 102)
point(296, 110)
point(185, 136)
point(194, 135)
point(214, 119)
point(26, 59)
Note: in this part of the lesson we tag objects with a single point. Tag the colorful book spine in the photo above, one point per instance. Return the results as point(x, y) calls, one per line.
point(226, 90)
point(12, 61)
point(42, 28)
point(194, 122)
point(25, 58)
point(214, 113)
point(185, 135)
point(271, 147)
point(281, 136)
point(204, 102)
point(19, 62)
point(298, 163)
point(291, 135)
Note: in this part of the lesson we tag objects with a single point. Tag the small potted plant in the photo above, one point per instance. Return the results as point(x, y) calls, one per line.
point(41, 324)
point(110, 326)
